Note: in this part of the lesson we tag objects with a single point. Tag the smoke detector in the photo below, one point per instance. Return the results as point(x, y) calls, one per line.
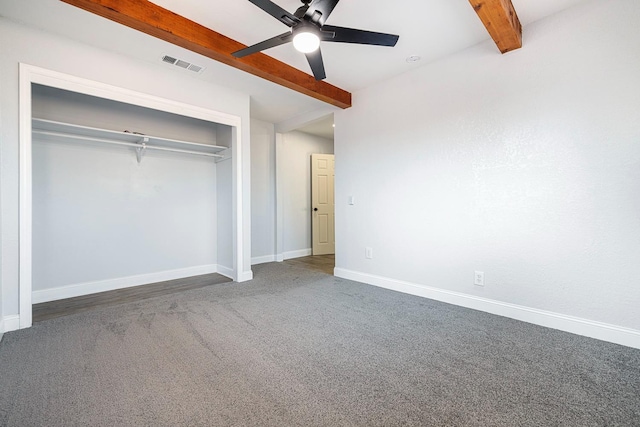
point(182, 64)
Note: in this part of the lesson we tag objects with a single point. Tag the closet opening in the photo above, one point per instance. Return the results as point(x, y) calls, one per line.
point(121, 189)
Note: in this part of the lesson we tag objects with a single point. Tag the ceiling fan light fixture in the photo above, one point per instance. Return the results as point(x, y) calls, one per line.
point(306, 41)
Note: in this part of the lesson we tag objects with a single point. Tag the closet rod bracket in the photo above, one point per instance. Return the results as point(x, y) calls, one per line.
point(140, 150)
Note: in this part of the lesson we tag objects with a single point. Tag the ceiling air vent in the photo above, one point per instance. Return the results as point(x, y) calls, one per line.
point(169, 59)
point(182, 64)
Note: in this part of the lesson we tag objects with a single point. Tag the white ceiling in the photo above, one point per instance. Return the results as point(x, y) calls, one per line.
point(431, 29)
point(322, 127)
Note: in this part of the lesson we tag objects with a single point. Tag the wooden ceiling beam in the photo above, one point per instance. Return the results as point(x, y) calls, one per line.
point(500, 19)
point(151, 19)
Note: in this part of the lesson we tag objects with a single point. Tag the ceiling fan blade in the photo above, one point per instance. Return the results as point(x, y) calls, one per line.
point(316, 63)
point(324, 7)
point(351, 35)
point(272, 42)
point(277, 12)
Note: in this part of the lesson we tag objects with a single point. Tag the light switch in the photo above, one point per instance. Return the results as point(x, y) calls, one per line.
point(351, 200)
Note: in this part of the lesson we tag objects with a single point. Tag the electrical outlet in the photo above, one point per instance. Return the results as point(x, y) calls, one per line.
point(478, 278)
point(368, 253)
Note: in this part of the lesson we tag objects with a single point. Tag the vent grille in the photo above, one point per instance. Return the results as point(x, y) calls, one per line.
point(182, 64)
point(169, 59)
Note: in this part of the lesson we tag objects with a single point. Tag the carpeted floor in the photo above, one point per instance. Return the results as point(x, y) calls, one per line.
point(298, 347)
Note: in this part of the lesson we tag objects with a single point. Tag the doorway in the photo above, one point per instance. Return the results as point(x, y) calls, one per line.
point(295, 145)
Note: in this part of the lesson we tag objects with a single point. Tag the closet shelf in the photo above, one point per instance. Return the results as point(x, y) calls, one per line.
point(140, 142)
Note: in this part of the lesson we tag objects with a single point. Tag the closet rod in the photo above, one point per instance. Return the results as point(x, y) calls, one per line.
point(127, 144)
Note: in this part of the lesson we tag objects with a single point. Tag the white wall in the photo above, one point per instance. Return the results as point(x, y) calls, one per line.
point(22, 44)
point(263, 192)
point(525, 166)
point(98, 214)
point(296, 151)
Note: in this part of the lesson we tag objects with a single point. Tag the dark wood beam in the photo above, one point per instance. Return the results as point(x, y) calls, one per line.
point(500, 19)
point(144, 16)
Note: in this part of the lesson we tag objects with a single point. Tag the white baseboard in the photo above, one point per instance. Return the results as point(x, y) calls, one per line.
point(10, 323)
point(245, 276)
point(226, 272)
point(297, 254)
point(281, 257)
point(263, 259)
point(87, 288)
point(589, 328)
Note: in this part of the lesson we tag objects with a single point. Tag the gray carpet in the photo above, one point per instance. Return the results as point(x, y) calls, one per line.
point(295, 347)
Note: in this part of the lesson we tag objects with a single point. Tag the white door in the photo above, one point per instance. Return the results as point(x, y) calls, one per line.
point(322, 204)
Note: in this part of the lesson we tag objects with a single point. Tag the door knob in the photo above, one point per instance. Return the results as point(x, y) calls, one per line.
point(315, 209)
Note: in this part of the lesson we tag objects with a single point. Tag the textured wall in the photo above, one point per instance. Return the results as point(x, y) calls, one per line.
point(525, 166)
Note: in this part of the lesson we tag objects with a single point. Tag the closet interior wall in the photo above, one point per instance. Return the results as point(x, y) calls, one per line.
point(102, 219)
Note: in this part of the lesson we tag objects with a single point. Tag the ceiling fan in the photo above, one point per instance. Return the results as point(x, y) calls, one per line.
point(308, 30)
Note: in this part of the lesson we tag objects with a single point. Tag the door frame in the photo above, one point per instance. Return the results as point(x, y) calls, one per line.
point(313, 210)
point(29, 75)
